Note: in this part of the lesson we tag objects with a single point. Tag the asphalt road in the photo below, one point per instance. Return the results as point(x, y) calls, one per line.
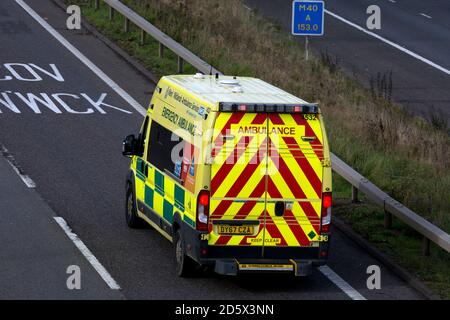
point(422, 27)
point(35, 254)
point(75, 160)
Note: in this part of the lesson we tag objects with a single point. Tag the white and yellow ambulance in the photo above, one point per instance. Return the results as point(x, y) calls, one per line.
point(235, 172)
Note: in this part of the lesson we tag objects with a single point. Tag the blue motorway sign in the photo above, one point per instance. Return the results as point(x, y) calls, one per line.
point(308, 18)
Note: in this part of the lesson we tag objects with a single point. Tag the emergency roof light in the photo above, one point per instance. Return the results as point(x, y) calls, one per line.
point(269, 108)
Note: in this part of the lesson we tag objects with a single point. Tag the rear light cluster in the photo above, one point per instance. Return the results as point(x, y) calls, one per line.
point(326, 212)
point(202, 210)
point(269, 108)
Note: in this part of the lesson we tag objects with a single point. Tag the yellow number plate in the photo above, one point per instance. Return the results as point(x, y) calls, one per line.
point(235, 230)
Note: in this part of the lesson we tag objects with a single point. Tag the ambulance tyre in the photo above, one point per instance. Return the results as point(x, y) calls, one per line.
point(184, 265)
point(133, 221)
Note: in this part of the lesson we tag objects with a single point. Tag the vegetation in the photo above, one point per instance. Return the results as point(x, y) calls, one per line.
point(399, 242)
point(406, 156)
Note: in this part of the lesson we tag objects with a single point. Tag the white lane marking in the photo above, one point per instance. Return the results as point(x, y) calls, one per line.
point(88, 254)
point(393, 1)
point(344, 286)
point(426, 16)
point(341, 283)
point(393, 44)
point(12, 162)
point(26, 179)
point(104, 274)
point(83, 58)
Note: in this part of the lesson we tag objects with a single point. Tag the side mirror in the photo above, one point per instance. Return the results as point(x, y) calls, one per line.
point(130, 145)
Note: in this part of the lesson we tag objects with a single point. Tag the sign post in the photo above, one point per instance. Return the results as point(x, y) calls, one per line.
point(307, 20)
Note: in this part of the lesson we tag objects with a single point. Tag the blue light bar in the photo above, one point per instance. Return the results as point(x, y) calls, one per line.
point(268, 108)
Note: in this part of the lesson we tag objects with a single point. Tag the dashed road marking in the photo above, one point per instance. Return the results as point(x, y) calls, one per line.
point(17, 169)
point(391, 43)
point(425, 15)
point(88, 254)
point(341, 283)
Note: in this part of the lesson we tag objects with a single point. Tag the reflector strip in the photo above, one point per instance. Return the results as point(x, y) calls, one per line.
point(266, 267)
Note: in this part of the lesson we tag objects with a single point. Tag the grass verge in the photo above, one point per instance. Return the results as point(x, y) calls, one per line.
point(404, 155)
point(400, 243)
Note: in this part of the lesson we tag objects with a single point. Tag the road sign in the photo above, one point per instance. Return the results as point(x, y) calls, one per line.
point(308, 18)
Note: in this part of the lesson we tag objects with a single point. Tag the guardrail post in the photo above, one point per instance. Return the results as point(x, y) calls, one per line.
point(142, 40)
point(111, 13)
point(161, 50)
point(354, 194)
point(126, 26)
point(180, 64)
point(425, 246)
point(387, 220)
point(97, 4)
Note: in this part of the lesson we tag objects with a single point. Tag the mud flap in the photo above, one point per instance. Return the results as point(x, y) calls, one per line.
point(302, 268)
point(226, 267)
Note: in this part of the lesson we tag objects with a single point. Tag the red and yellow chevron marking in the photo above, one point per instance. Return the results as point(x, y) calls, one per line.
point(265, 158)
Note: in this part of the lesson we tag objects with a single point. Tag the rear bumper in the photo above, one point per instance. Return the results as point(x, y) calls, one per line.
point(232, 260)
point(269, 252)
point(229, 260)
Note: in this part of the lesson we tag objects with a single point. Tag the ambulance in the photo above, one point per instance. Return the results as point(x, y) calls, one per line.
point(235, 172)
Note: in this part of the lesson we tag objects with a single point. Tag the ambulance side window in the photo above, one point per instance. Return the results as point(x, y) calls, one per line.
point(162, 146)
point(143, 136)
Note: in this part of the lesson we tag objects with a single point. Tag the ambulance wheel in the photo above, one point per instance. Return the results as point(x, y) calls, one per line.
point(184, 264)
point(133, 221)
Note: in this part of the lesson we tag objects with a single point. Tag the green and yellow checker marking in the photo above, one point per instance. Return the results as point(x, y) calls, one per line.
point(163, 195)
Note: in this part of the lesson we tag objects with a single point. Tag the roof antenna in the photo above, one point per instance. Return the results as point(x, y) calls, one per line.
point(210, 71)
